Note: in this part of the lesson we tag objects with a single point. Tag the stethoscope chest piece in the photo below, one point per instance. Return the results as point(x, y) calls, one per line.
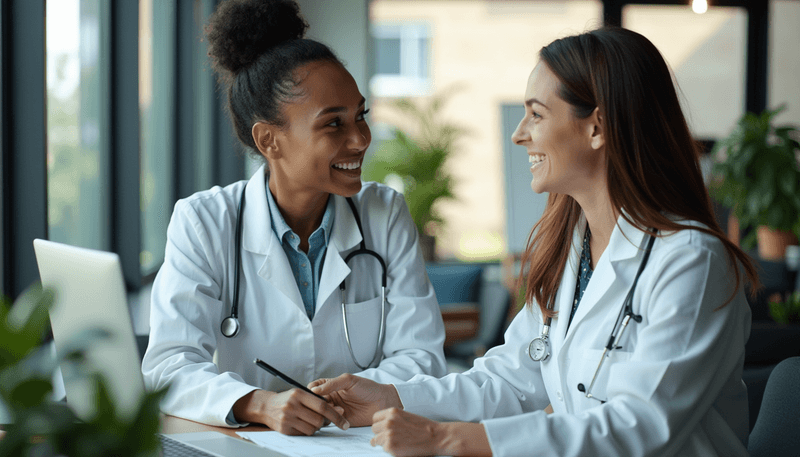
point(539, 349)
point(230, 326)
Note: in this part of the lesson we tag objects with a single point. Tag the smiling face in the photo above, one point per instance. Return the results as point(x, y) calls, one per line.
point(322, 144)
point(566, 153)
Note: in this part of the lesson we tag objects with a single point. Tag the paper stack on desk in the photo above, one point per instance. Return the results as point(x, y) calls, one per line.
point(328, 441)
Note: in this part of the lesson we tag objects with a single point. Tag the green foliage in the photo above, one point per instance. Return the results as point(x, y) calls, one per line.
point(758, 174)
point(43, 427)
point(419, 161)
point(787, 311)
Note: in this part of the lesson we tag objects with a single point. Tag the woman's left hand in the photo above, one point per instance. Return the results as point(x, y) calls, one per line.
point(402, 433)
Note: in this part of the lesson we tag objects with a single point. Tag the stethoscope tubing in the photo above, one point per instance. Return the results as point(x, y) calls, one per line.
point(230, 325)
point(362, 250)
point(626, 312)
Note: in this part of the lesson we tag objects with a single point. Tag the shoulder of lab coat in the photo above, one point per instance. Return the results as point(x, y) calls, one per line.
point(192, 294)
point(187, 307)
point(677, 392)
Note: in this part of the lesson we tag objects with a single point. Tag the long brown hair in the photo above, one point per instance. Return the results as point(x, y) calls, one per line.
point(653, 168)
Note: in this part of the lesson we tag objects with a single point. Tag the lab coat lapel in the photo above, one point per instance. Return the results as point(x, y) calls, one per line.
point(623, 245)
point(344, 236)
point(259, 238)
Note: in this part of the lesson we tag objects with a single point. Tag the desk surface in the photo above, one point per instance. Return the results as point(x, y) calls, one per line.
point(172, 424)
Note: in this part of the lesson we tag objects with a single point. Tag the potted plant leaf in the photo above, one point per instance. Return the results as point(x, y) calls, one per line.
point(786, 311)
point(38, 425)
point(416, 164)
point(757, 175)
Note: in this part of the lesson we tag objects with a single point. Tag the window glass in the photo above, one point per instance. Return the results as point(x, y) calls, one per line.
point(387, 55)
point(707, 55)
point(784, 66)
point(2, 135)
point(156, 104)
point(400, 58)
point(77, 161)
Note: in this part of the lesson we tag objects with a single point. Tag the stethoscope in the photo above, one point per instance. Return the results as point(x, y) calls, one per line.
point(230, 325)
point(539, 347)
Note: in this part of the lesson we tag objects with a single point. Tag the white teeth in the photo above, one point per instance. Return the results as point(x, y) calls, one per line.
point(348, 166)
point(536, 158)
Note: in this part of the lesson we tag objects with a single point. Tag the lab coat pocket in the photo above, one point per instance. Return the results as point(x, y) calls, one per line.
point(363, 324)
point(585, 371)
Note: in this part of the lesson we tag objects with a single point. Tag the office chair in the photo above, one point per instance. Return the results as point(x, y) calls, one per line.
point(776, 432)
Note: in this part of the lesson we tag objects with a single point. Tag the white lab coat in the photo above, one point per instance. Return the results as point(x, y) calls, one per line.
point(193, 292)
point(675, 387)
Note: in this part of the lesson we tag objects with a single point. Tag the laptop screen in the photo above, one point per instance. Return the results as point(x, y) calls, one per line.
point(90, 293)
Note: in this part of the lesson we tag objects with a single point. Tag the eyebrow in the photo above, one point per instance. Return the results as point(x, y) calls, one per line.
point(531, 101)
point(339, 109)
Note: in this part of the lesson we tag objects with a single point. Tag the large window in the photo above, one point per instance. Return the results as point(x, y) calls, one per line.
point(157, 126)
point(706, 53)
point(77, 161)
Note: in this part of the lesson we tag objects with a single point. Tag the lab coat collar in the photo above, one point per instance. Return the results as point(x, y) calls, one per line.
point(259, 238)
point(257, 233)
point(344, 236)
point(623, 245)
point(625, 242)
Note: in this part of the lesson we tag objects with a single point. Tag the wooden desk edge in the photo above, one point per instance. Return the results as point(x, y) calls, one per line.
point(173, 424)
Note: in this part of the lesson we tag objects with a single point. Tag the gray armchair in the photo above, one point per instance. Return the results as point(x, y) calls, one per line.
point(776, 430)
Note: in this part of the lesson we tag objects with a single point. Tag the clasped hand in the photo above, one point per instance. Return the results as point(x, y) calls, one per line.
point(366, 402)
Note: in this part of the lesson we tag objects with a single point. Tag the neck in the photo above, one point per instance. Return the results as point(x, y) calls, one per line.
point(302, 211)
point(601, 218)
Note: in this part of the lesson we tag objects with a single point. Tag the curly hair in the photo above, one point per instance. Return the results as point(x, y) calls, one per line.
point(255, 47)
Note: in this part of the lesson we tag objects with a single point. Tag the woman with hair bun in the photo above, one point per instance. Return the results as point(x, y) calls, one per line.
point(303, 266)
point(634, 331)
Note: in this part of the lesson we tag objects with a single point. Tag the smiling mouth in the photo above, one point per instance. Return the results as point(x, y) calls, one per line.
point(348, 165)
point(535, 159)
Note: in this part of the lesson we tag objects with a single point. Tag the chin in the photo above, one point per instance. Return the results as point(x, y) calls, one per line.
point(348, 190)
point(536, 188)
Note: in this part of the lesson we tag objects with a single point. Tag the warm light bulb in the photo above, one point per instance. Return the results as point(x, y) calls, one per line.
point(699, 6)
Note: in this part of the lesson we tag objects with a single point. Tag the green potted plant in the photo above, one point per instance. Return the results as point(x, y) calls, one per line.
point(757, 175)
point(416, 164)
point(786, 311)
point(43, 427)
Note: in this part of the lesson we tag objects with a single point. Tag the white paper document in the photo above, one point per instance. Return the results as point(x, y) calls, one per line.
point(328, 441)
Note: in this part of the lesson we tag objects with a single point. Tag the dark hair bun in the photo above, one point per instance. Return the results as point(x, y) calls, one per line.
point(240, 31)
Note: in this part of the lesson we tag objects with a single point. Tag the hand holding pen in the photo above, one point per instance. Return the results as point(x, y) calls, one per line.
point(293, 412)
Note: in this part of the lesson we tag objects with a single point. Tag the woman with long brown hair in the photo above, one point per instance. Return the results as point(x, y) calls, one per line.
point(636, 321)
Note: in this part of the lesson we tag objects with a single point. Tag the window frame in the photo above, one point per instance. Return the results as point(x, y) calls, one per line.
point(24, 132)
point(413, 80)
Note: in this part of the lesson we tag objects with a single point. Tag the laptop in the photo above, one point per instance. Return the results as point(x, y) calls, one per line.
point(90, 293)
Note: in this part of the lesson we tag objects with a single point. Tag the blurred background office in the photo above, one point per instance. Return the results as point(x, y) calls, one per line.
point(110, 113)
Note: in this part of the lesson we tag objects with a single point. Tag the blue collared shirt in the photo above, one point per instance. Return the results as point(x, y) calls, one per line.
point(306, 268)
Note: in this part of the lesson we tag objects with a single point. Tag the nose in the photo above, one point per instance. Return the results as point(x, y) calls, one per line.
point(520, 135)
point(359, 137)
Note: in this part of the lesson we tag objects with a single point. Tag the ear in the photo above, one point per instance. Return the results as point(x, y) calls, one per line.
point(596, 129)
point(265, 139)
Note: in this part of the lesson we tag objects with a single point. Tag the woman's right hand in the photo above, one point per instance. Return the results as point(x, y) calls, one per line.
point(292, 412)
point(361, 398)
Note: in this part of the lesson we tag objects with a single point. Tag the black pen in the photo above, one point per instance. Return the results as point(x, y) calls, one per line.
point(274, 372)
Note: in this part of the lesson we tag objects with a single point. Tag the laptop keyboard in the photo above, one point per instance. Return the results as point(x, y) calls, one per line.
point(170, 447)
